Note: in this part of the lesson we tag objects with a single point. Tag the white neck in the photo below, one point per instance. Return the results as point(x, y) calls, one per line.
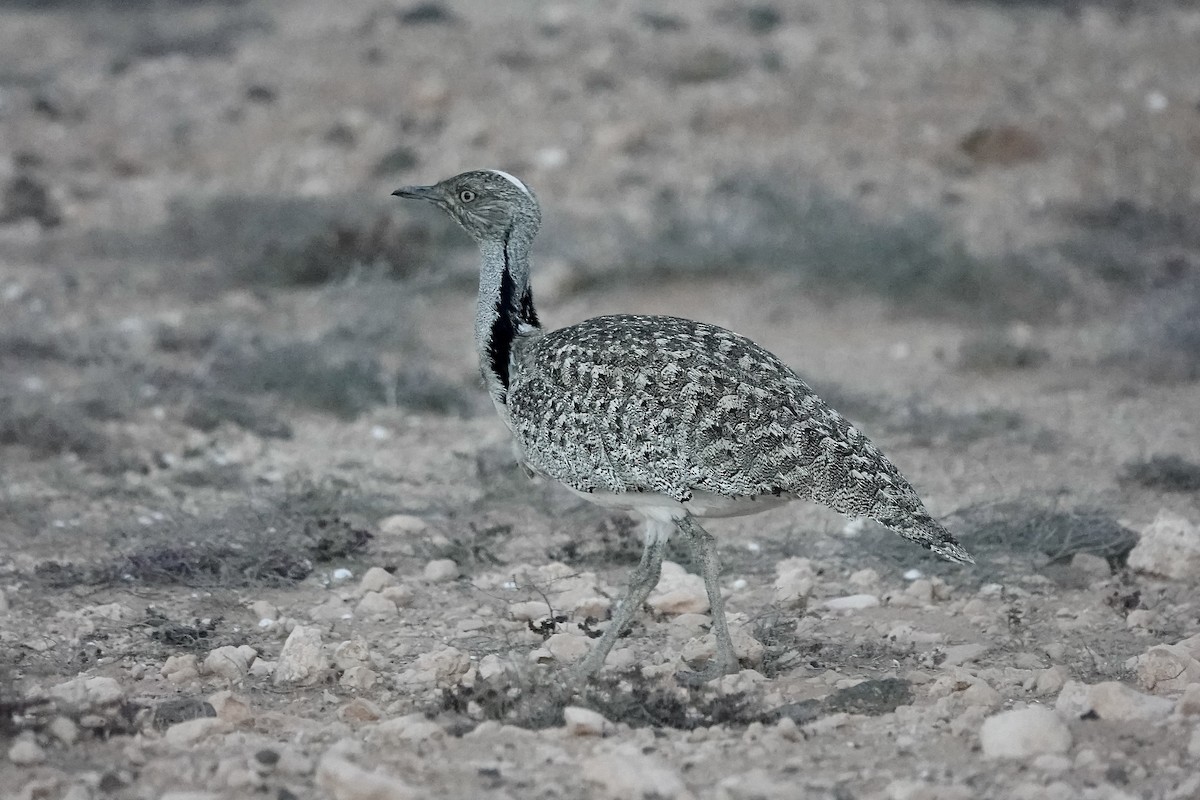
point(504, 310)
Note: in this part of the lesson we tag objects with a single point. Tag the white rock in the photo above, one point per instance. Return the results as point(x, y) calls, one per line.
point(342, 779)
point(411, 728)
point(1194, 743)
point(64, 729)
point(264, 610)
point(441, 570)
point(1188, 703)
point(1169, 546)
point(678, 592)
point(757, 784)
point(301, 661)
point(441, 667)
point(1111, 701)
point(528, 610)
point(628, 774)
point(376, 579)
point(402, 525)
point(1024, 733)
point(794, 582)
point(981, 694)
point(352, 653)
point(1051, 680)
point(374, 604)
point(358, 678)
point(864, 578)
point(187, 733)
point(401, 595)
point(1092, 566)
point(230, 707)
point(228, 663)
point(1117, 702)
point(958, 654)
point(853, 602)
point(585, 722)
point(84, 694)
point(567, 648)
point(25, 751)
point(920, 590)
point(340, 575)
point(491, 666)
point(1165, 668)
point(181, 670)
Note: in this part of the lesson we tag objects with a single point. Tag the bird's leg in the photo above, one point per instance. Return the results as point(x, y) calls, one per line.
point(645, 578)
point(704, 546)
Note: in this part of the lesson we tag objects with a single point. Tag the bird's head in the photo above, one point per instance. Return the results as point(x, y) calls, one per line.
point(487, 203)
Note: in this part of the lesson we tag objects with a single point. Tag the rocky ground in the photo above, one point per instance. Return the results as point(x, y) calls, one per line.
point(261, 533)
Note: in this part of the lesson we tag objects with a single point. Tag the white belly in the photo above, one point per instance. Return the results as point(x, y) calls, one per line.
point(703, 504)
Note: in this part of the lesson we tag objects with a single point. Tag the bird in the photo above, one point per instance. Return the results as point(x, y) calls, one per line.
point(668, 418)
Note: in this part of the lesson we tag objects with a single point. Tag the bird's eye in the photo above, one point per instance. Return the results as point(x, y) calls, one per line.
point(466, 195)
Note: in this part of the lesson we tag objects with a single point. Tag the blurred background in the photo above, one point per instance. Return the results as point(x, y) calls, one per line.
point(973, 225)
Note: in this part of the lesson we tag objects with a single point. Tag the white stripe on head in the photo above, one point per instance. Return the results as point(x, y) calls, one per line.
point(513, 181)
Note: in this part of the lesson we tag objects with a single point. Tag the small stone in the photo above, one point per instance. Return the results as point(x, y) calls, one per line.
point(1117, 702)
point(921, 590)
point(374, 604)
point(757, 784)
point(230, 707)
point(1024, 733)
point(340, 575)
point(441, 570)
point(344, 780)
point(528, 610)
point(981, 694)
point(1142, 618)
point(567, 648)
point(376, 579)
point(25, 751)
point(678, 592)
point(1091, 566)
point(1051, 680)
point(227, 663)
point(360, 678)
point(853, 602)
point(958, 654)
point(402, 525)
point(64, 729)
point(185, 734)
point(1188, 703)
point(585, 722)
point(181, 670)
point(490, 666)
point(360, 710)
point(264, 610)
point(1111, 701)
point(1169, 546)
point(864, 578)
point(1165, 668)
point(410, 728)
point(352, 653)
point(301, 661)
point(401, 595)
point(442, 667)
point(627, 773)
point(794, 582)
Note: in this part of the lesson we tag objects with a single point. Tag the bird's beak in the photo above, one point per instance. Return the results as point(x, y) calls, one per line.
point(417, 192)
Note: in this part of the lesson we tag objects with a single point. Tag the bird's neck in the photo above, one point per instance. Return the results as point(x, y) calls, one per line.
point(505, 310)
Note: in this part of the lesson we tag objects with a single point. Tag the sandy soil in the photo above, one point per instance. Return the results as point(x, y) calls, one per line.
point(239, 406)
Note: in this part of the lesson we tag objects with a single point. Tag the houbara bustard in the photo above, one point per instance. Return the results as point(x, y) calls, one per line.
point(673, 419)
